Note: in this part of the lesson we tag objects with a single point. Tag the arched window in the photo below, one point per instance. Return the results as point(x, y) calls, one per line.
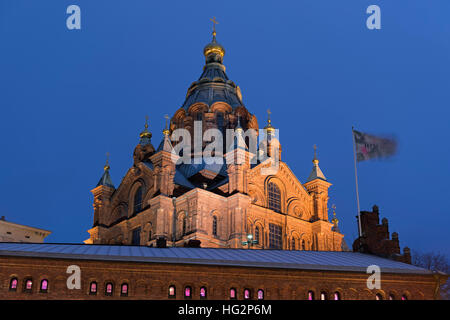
point(44, 285)
point(187, 292)
point(378, 296)
point(247, 294)
point(199, 116)
point(274, 197)
point(233, 293)
point(124, 289)
point(203, 293)
point(150, 235)
point(260, 294)
point(303, 245)
point(136, 236)
point(310, 295)
point(293, 244)
point(93, 288)
point(323, 296)
point(137, 200)
point(337, 296)
point(257, 235)
point(172, 292)
point(13, 284)
point(214, 226)
point(28, 285)
point(109, 289)
point(184, 225)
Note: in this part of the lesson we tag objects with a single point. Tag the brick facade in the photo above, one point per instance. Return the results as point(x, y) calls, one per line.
point(152, 281)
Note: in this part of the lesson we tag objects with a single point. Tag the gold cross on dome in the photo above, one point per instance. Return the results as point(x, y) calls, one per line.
point(214, 23)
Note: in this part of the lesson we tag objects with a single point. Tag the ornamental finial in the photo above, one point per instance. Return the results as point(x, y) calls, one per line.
point(315, 160)
point(269, 128)
point(166, 130)
point(335, 221)
point(107, 167)
point(214, 27)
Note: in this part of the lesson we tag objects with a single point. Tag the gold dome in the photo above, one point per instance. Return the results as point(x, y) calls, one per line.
point(146, 133)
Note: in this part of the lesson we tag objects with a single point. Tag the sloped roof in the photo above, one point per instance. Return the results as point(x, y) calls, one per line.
point(285, 259)
point(105, 180)
point(316, 173)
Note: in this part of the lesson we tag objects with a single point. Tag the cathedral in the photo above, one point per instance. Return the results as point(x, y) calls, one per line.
point(230, 204)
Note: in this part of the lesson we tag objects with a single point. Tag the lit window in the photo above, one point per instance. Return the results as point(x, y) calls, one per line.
point(246, 294)
point(13, 284)
point(93, 288)
point(233, 293)
point(337, 296)
point(310, 295)
point(391, 297)
point(187, 292)
point(44, 285)
point(124, 290)
point(138, 200)
point(172, 292)
point(378, 297)
point(404, 297)
point(274, 197)
point(214, 226)
point(203, 293)
point(109, 289)
point(260, 294)
point(275, 238)
point(323, 296)
point(28, 285)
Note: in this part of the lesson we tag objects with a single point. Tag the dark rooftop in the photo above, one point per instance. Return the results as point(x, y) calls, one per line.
point(285, 259)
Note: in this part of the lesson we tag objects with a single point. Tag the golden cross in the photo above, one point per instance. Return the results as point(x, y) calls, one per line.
point(167, 118)
point(214, 24)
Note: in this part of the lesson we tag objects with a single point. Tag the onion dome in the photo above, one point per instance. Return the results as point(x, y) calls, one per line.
point(145, 135)
point(213, 84)
point(269, 128)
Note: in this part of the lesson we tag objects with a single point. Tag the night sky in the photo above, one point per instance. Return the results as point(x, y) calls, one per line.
point(69, 96)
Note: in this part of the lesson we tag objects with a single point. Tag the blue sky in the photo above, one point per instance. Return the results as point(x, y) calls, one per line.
point(69, 96)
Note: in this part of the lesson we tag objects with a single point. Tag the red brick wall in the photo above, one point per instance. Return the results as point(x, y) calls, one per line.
point(151, 281)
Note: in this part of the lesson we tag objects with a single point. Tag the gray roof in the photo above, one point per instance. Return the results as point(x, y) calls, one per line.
point(316, 173)
point(105, 180)
point(286, 259)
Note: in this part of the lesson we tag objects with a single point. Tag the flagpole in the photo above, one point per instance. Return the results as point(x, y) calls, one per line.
point(356, 183)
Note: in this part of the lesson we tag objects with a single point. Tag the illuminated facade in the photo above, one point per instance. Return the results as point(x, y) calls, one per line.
point(219, 205)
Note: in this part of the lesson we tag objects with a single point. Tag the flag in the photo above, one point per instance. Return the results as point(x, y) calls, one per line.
point(372, 147)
